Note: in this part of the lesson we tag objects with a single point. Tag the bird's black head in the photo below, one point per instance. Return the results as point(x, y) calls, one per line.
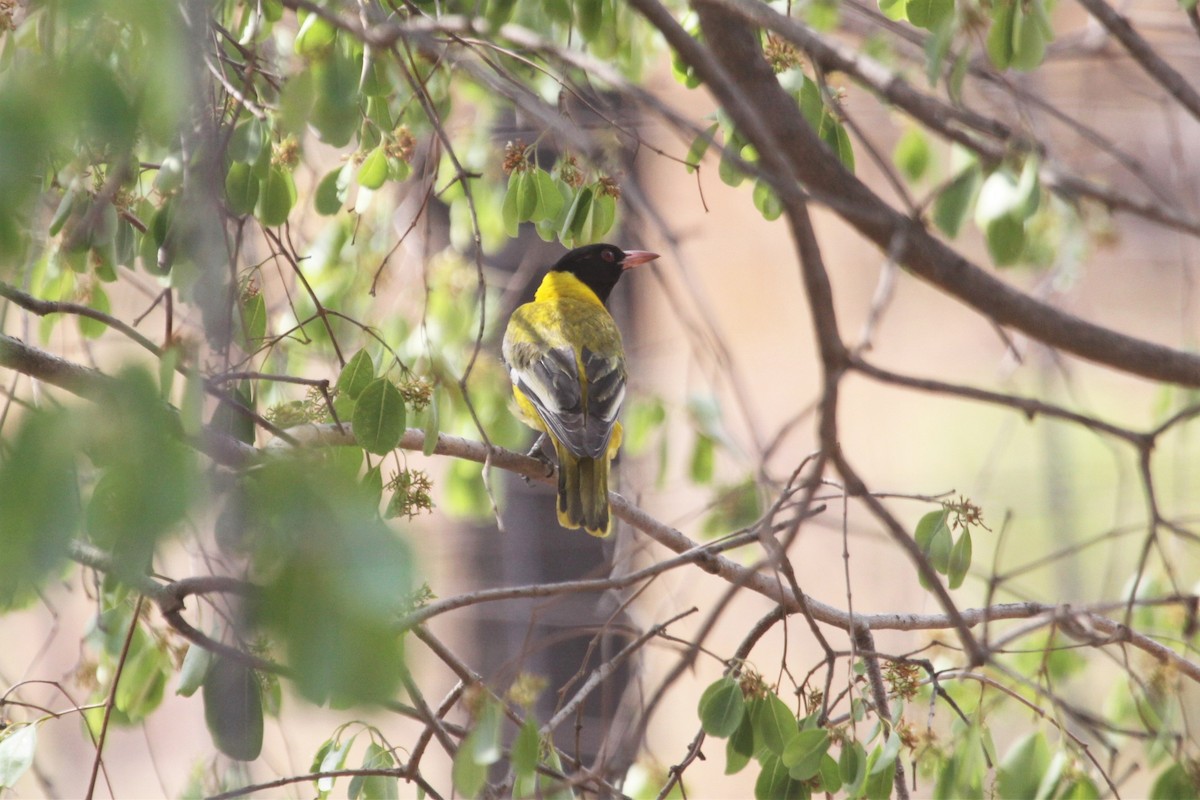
point(599, 266)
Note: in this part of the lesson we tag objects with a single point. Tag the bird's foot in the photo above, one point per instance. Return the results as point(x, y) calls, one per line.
point(536, 452)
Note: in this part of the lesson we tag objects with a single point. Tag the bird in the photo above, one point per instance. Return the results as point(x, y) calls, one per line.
point(564, 354)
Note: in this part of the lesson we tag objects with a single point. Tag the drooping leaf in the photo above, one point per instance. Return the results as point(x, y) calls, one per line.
point(17, 749)
point(233, 709)
point(379, 417)
point(722, 708)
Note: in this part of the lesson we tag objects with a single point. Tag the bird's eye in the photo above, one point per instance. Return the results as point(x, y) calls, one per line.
point(607, 255)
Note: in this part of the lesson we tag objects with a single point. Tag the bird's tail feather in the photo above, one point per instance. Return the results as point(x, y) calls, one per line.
point(583, 493)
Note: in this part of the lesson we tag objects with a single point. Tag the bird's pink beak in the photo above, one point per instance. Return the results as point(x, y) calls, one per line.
point(635, 257)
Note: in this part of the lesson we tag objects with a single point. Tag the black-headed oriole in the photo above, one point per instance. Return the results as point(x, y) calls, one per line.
point(567, 365)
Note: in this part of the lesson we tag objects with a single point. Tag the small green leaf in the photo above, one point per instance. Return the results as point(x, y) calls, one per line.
point(774, 782)
point(508, 209)
point(766, 201)
point(329, 196)
point(254, 320)
point(331, 759)
point(774, 723)
point(740, 747)
point(1000, 35)
point(233, 709)
point(1023, 766)
point(729, 173)
point(276, 197)
point(852, 765)
point(929, 13)
point(1005, 240)
point(953, 204)
point(699, 147)
point(1084, 788)
point(830, 773)
point(804, 753)
point(17, 749)
point(375, 787)
point(549, 200)
point(374, 169)
point(960, 560)
point(315, 37)
point(722, 708)
point(588, 16)
point(703, 459)
point(356, 375)
point(912, 154)
point(94, 328)
point(896, 10)
point(379, 417)
point(1029, 40)
point(241, 188)
point(467, 775)
point(191, 674)
point(525, 751)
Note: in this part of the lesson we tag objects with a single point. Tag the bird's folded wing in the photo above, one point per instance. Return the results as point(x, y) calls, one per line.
point(552, 384)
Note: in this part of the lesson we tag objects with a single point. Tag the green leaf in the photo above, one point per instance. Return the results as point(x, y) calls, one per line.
point(374, 169)
point(954, 202)
point(276, 197)
point(1020, 773)
point(379, 417)
point(722, 708)
point(549, 201)
point(960, 560)
point(766, 201)
point(241, 188)
point(39, 503)
point(774, 723)
point(739, 749)
point(929, 13)
point(774, 782)
point(1005, 240)
point(803, 755)
point(830, 774)
point(1084, 788)
point(233, 709)
point(229, 420)
point(330, 194)
point(191, 674)
point(588, 16)
point(254, 320)
point(17, 749)
point(575, 217)
point(375, 787)
point(322, 545)
point(526, 749)
point(1029, 40)
point(729, 173)
point(315, 38)
point(331, 758)
point(484, 742)
point(1000, 35)
point(467, 775)
point(703, 459)
point(912, 154)
point(894, 9)
point(356, 375)
point(1174, 783)
point(600, 217)
point(852, 766)
point(699, 147)
point(94, 328)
